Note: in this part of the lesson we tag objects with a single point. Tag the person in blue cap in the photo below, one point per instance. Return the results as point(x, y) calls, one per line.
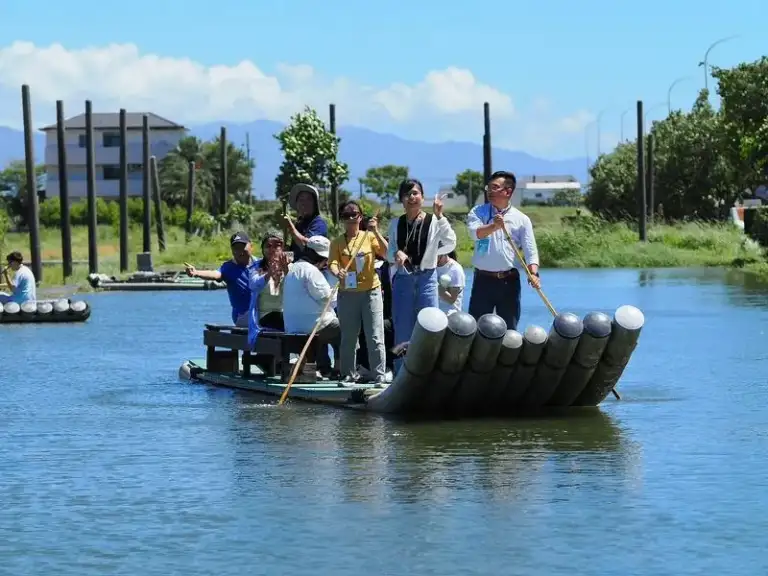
point(235, 273)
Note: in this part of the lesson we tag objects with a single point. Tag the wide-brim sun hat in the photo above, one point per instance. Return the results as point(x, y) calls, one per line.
point(298, 189)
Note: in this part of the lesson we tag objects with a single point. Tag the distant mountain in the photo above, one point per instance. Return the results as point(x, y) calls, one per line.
point(435, 164)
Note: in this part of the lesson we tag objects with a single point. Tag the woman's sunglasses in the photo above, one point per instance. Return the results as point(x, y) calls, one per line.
point(350, 215)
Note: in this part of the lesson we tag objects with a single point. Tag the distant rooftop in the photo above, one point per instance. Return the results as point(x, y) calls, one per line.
point(111, 121)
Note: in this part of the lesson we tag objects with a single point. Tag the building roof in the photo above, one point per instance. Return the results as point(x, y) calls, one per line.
point(111, 121)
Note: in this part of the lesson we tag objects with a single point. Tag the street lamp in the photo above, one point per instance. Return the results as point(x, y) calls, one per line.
point(649, 110)
point(669, 92)
point(598, 119)
point(622, 120)
point(706, 56)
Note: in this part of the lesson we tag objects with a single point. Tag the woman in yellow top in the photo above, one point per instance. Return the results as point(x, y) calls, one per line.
point(359, 300)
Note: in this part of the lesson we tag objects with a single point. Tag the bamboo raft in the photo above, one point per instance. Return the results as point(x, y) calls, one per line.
point(454, 366)
point(152, 281)
point(62, 310)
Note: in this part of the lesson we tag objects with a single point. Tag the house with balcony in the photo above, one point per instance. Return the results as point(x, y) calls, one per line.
point(164, 135)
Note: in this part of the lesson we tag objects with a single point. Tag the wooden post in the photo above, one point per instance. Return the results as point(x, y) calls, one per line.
point(90, 169)
point(123, 191)
point(66, 230)
point(33, 209)
point(158, 203)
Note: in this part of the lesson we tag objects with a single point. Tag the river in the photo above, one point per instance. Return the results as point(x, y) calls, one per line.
point(110, 465)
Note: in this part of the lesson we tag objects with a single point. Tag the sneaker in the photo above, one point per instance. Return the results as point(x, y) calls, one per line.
point(347, 381)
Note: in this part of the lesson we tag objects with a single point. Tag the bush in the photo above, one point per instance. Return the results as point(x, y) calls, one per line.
point(107, 213)
point(758, 230)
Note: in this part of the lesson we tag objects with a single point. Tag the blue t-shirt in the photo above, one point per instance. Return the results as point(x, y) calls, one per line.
point(236, 277)
point(308, 228)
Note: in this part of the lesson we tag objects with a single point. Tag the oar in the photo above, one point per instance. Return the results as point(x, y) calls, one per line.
point(295, 370)
point(528, 273)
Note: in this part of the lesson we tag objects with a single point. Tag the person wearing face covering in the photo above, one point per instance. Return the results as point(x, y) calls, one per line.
point(414, 239)
point(305, 199)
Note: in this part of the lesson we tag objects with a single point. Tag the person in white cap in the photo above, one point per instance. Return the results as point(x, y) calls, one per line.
point(305, 199)
point(451, 279)
point(307, 290)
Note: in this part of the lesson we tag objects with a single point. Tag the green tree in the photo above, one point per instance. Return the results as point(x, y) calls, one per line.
point(310, 155)
point(744, 110)
point(470, 185)
point(384, 181)
point(174, 173)
point(692, 176)
point(13, 187)
point(567, 197)
point(612, 190)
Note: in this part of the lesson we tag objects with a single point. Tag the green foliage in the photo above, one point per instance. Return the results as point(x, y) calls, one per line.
point(13, 188)
point(567, 197)
point(470, 185)
point(703, 159)
point(758, 229)
point(107, 213)
point(5, 224)
point(310, 155)
point(744, 111)
point(206, 156)
point(384, 181)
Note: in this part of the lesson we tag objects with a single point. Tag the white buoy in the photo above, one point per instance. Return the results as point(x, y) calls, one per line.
point(29, 307)
point(78, 306)
point(11, 308)
point(61, 305)
point(44, 308)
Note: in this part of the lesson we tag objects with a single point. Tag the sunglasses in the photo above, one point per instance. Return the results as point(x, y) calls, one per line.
point(273, 244)
point(349, 215)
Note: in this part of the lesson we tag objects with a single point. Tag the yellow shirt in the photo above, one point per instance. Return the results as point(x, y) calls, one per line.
point(342, 250)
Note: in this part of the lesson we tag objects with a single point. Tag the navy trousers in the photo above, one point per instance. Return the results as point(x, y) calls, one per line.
point(501, 295)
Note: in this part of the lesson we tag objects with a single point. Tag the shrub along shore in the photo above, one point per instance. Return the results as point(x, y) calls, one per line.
point(567, 238)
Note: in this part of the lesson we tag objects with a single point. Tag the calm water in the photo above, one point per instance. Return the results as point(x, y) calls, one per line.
point(109, 465)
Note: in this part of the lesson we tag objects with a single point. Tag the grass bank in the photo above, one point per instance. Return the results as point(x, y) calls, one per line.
point(565, 241)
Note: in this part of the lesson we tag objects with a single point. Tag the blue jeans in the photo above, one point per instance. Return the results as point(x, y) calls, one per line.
point(411, 293)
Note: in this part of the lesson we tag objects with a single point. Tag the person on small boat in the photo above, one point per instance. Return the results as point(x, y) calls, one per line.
point(496, 284)
point(352, 261)
point(382, 269)
point(23, 287)
point(413, 243)
point(266, 285)
point(235, 274)
point(451, 292)
point(306, 288)
point(305, 199)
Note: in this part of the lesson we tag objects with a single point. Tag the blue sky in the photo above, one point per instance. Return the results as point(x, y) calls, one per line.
point(552, 56)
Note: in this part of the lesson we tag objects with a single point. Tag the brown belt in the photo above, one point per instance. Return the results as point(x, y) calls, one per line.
point(502, 274)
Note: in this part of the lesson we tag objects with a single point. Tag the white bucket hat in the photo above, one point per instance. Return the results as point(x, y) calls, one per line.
point(320, 245)
point(298, 189)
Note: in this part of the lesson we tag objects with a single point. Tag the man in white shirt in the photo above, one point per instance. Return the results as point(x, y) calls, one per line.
point(305, 294)
point(23, 288)
point(496, 283)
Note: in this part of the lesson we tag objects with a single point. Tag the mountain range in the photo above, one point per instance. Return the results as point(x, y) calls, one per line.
point(435, 164)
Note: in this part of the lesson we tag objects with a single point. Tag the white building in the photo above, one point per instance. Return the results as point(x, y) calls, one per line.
point(531, 189)
point(542, 189)
point(164, 136)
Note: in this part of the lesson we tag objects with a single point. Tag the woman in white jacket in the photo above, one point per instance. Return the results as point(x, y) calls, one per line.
point(413, 252)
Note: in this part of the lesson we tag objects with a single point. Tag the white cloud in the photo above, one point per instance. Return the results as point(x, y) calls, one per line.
point(445, 104)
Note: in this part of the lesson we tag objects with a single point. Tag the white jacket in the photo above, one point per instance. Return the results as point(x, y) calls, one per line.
point(440, 230)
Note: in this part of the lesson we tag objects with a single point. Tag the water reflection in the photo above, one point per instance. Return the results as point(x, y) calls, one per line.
point(370, 458)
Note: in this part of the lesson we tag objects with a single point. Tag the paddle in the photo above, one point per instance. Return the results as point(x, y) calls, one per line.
point(528, 273)
point(296, 366)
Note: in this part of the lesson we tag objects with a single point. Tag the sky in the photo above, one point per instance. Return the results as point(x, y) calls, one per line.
point(419, 69)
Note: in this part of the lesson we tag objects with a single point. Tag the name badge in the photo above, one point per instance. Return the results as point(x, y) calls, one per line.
point(482, 246)
point(360, 262)
point(350, 280)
